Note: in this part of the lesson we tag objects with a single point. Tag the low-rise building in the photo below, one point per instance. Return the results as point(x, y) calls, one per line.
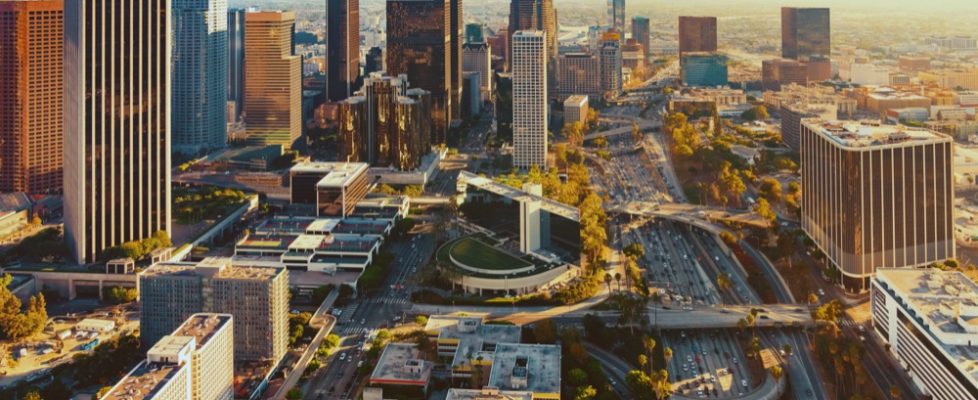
point(323, 245)
point(488, 393)
point(929, 318)
point(333, 187)
point(534, 368)
point(467, 342)
point(401, 372)
point(576, 109)
point(95, 325)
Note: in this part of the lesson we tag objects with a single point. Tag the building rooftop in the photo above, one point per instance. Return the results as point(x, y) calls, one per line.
point(337, 174)
point(873, 134)
point(144, 381)
point(202, 327)
point(576, 100)
point(551, 206)
point(487, 393)
point(474, 340)
point(216, 267)
point(945, 303)
point(400, 364)
point(531, 367)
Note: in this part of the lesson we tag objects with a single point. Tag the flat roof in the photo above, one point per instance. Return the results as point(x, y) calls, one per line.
point(946, 304)
point(487, 393)
point(335, 174)
point(867, 134)
point(538, 363)
point(400, 364)
point(549, 205)
point(474, 338)
point(576, 100)
point(225, 271)
point(144, 381)
point(323, 225)
point(202, 327)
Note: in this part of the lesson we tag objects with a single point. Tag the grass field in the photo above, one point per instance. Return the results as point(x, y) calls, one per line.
point(477, 254)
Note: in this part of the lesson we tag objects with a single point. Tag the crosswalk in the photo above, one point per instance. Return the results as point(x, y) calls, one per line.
point(388, 300)
point(353, 330)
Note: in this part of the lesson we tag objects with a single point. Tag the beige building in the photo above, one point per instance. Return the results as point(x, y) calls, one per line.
point(876, 196)
point(576, 109)
point(273, 80)
point(194, 362)
point(529, 69)
point(951, 79)
point(257, 297)
point(579, 73)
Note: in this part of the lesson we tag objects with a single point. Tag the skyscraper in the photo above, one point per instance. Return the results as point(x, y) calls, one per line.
point(529, 69)
point(342, 48)
point(31, 88)
point(374, 61)
point(704, 69)
point(616, 16)
point(642, 33)
point(580, 73)
point(611, 79)
point(538, 15)
point(273, 81)
point(477, 57)
point(257, 298)
point(805, 33)
point(697, 34)
point(236, 51)
point(117, 123)
point(455, 33)
point(473, 33)
point(200, 75)
point(876, 196)
point(418, 45)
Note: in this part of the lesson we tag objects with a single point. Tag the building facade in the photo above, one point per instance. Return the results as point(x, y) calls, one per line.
point(477, 57)
point(31, 89)
point(611, 63)
point(117, 165)
point(257, 298)
point(236, 74)
point(200, 75)
point(579, 73)
point(805, 33)
point(273, 79)
point(342, 48)
point(643, 34)
point(529, 66)
point(418, 46)
point(538, 15)
point(697, 34)
point(576, 109)
point(616, 16)
point(926, 317)
point(704, 69)
point(777, 72)
point(878, 196)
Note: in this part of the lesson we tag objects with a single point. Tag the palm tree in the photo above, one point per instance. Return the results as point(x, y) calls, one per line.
point(607, 281)
point(618, 279)
point(667, 354)
point(649, 347)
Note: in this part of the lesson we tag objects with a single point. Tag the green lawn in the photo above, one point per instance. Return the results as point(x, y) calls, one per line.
point(477, 254)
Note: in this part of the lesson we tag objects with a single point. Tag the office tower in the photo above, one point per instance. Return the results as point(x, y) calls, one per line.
point(529, 66)
point(386, 124)
point(477, 57)
point(257, 298)
point(418, 46)
point(455, 32)
point(792, 115)
point(704, 69)
point(194, 362)
point(499, 45)
point(473, 33)
point(375, 61)
point(342, 48)
point(611, 80)
point(576, 109)
point(579, 73)
point(778, 72)
point(538, 15)
point(31, 88)
point(632, 54)
point(697, 34)
point(236, 73)
point(503, 106)
point(616, 16)
point(200, 76)
point(926, 317)
point(805, 33)
point(642, 33)
point(273, 79)
point(117, 128)
point(471, 94)
point(876, 196)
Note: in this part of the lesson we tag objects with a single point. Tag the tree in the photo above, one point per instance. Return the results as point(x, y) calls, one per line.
point(777, 372)
point(421, 320)
point(764, 210)
point(667, 354)
point(770, 189)
point(755, 113)
point(294, 394)
point(634, 251)
point(607, 281)
point(545, 331)
point(576, 377)
point(640, 384)
point(32, 395)
point(14, 324)
point(730, 181)
point(618, 279)
point(636, 133)
point(574, 133)
point(585, 393)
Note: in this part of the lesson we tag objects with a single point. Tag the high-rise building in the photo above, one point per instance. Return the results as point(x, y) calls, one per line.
point(697, 34)
point(805, 33)
point(200, 75)
point(236, 51)
point(477, 57)
point(632, 54)
point(529, 69)
point(579, 73)
point(642, 33)
point(616, 16)
point(386, 124)
point(418, 45)
point(117, 129)
point(257, 298)
point(611, 62)
point(273, 79)
point(342, 48)
point(31, 89)
point(194, 362)
point(374, 62)
point(876, 196)
point(474, 34)
point(704, 69)
point(455, 34)
point(538, 15)
point(778, 71)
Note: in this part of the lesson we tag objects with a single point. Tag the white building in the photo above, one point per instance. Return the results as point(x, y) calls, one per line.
point(477, 57)
point(865, 74)
point(529, 70)
point(929, 318)
point(195, 362)
point(576, 109)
